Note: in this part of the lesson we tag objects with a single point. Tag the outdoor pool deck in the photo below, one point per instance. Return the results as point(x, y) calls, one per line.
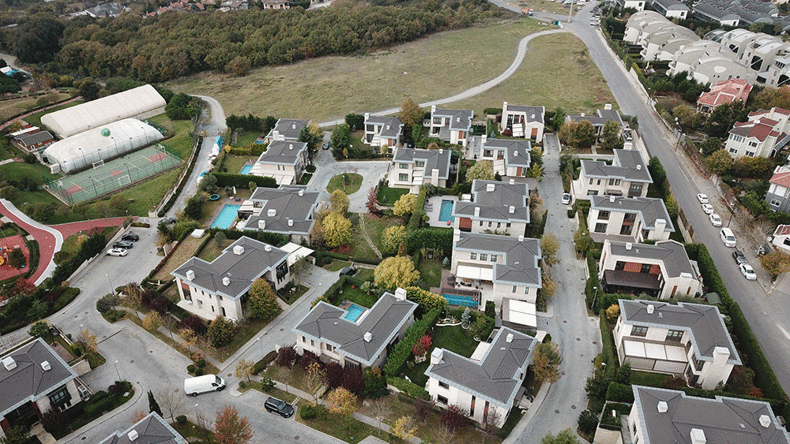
point(433, 209)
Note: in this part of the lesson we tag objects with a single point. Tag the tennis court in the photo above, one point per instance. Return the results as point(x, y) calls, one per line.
point(106, 177)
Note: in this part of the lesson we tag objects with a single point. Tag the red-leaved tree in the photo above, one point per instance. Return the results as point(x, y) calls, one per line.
point(229, 428)
point(422, 346)
point(454, 418)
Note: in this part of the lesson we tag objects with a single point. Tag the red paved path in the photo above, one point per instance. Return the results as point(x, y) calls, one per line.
point(75, 227)
point(45, 239)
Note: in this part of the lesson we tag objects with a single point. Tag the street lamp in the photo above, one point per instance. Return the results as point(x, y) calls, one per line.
point(594, 298)
point(117, 372)
point(196, 413)
point(83, 155)
point(112, 288)
point(260, 340)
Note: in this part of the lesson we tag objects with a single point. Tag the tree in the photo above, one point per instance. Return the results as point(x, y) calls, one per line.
point(298, 270)
point(336, 230)
point(548, 287)
point(443, 434)
point(38, 39)
point(491, 421)
point(375, 383)
point(341, 139)
point(381, 409)
point(16, 258)
point(405, 205)
point(153, 406)
point(373, 201)
point(310, 137)
point(37, 310)
point(588, 421)
point(355, 121)
point(395, 272)
point(194, 207)
point(239, 66)
point(546, 362)
point(89, 89)
point(566, 436)
point(221, 331)
point(610, 136)
point(219, 239)
point(577, 134)
point(286, 356)
point(404, 428)
point(152, 321)
point(710, 146)
point(549, 245)
point(188, 337)
point(454, 418)
point(559, 118)
point(339, 202)
point(54, 421)
point(244, 369)
point(410, 113)
point(393, 237)
point(483, 170)
point(315, 378)
point(172, 401)
point(229, 428)
point(719, 162)
point(776, 263)
point(262, 301)
point(38, 329)
point(15, 435)
point(341, 402)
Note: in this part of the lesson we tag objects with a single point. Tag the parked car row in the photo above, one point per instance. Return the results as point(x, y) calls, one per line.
point(119, 248)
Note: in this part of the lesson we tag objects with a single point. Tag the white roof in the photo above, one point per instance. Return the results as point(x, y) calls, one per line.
point(295, 252)
point(520, 312)
point(77, 119)
point(654, 351)
point(467, 272)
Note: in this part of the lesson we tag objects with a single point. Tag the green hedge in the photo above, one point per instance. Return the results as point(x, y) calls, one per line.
point(180, 187)
point(88, 249)
point(243, 180)
point(408, 387)
point(434, 237)
point(402, 351)
point(260, 365)
point(608, 347)
point(276, 239)
point(619, 393)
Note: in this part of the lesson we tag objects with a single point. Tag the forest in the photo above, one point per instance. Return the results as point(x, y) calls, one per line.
point(178, 43)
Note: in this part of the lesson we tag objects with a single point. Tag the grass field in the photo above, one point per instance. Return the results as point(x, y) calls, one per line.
point(233, 163)
point(580, 87)
point(181, 142)
point(336, 183)
point(388, 196)
point(320, 89)
point(10, 108)
point(35, 119)
point(245, 138)
point(550, 6)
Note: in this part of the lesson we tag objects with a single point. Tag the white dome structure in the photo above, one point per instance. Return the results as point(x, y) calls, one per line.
point(141, 102)
point(80, 151)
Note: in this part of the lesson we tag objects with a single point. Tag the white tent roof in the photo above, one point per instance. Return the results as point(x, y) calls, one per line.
point(469, 272)
point(130, 103)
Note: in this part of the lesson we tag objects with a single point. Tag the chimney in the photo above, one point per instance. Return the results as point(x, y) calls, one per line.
point(301, 192)
point(662, 407)
point(490, 187)
point(698, 436)
point(512, 181)
point(765, 421)
point(661, 226)
point(456, 236)
point(45, 366)
point(275, 135)
point(435, 177)
point(515, 153)
point(639, 167)
point(477, 211)
point(9, 363)
point(133, 435)
point(290, 222)
point(433, 109)
point(504, 107)
point(457, 119)
point(436, 356)
point(628, 246)
point(521, 238)
point(290, 146)
point(611, 198)
point(293, 125)
point(400, 294)
point(388, 127)
point(368, 337)
point(650, 308)
point(607, 106)
point(367, 116)
point(271, 212)
point(238, 250)
point(509, 338)
point(268, 248)
point(512, 209)
point(441, 150)
point(190, 275)
point(226, 281)
point(261, 224)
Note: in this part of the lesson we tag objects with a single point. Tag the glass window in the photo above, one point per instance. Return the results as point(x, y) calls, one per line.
point(493, 258)
point(619, 266)
point(674, 335)
point(420, 163)
point(483, 256)
point(600, 228)
point(444, 385)
point(592, 192)
point(514, 289)
point(639, 331)
point(645, 268)
point(403, 166)
point(60, 397)
point(591, 181)
point(472, 255)
point(403, 177)
point(603, 215)
point(441, 399)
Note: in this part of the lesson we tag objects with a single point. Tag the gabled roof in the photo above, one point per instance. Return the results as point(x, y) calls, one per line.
point(494, 200)
point(439, 159)
point(290, 203)
point(497, 377)
point(726, 91)
point(517, 151)
point(520, 256)
point(671, 253)
point(722, 420)
point(28, 381)
point(283, 152)
point(326, 323)
point(289, 128)
point(755, 129)
point(242, 266)
point(628, 165)
point(460, 119)
point(781, 176)
point(531, 113)
point(703, 323)
point(649, 209)
point(31, 139)
point(150, 430)
point(391, 127)
point(604, 115)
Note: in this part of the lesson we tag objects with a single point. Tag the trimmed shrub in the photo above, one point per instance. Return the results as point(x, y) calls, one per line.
point(408, 387)
point(243, 180)
point(181, 419)
point(435, 237)
point(261, 365)
point(609, 352)
point(402, 350)
point(619, 393)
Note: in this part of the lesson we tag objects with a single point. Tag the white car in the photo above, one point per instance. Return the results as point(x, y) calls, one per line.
point(715, 220)
point(702, 198)
point(748, 272)
point(566, 198)
point(707, 208)
point(118, 252)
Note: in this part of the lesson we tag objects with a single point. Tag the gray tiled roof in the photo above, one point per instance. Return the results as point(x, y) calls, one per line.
point(611, 114)
point(520, 258)
point(30, 139)
point(703, 322)
point(495, 205)
point(497, 377)
point(599, 120)
point(433, 159)
point(289, 128)
point(649, 208)
point(391, 127)
point(460, 119)
point(28, 381)
point(325, 323)
point(628, 165)
point(517, 151)
point(532, 113)
point(150, 430)
point(288, 205)
point(242, 269)
point(283, 152)
point(672, 253)
point(723, 420)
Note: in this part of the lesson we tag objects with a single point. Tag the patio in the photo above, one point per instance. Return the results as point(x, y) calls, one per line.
point(433, 208)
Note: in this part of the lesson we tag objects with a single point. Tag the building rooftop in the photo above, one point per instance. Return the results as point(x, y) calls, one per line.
point(289, 128)
point(517, 151)
point(781, 176)
point(286, 210)
point(460, 119)
point(326, 323)
point(628, 165)
point(725, 91)
point(520, 256)
point(434, 159)
point(283, 152)
point(233, 272)
point(495, 200)
point(30, 139)
point(497, 377)
point(531, 113)
point(672, 253)
point(150, 430)
point(703, 323)
point(649, 209)
point(391, 127)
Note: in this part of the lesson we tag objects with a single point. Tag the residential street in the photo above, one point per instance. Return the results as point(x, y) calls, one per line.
point(327, 168)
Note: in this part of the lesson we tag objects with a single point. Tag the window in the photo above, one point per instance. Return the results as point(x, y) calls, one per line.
point(592, 192)
point(645, 268)
point(481, 223)
point(312, 343)
point(507, 225)
point(60, 398)
point(304, 339)
point(483, 256)
point(599, 182)
point(420, 163)
point(444, 385)
point(472, 255)
point(329, 347)
point(639, 331)
point(674, 335)
point(403, 166)
point(591, 181)
point(600, 228)
point(493, 258)
point(488, 153)
point(635, 189)
point(603, 215)
point(441, 399)
point(625, 230)
point(514, 289)
point(619, 266)
point(403, 177)
point(526, 290)
point(489, 224)
point(774, 203)
point(499, 224)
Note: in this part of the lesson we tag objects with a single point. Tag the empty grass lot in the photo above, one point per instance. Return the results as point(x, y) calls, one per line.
point(12, 107)
point(331, 87)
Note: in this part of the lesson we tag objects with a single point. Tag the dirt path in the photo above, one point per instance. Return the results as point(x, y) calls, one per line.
point(367, 238)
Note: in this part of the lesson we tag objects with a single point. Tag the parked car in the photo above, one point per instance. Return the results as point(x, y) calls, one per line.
point(117, 252)
point(325, 146)
point(123, 244)
point(727, 237)
point(566, 198)
point(739, 257)
point(169, 220)
point(715, 220)
point(707, 208)
point(203, 384)
point(702, 198)
point(282, 408)
point(348, 271)
point(130, 237)
point(748, 272)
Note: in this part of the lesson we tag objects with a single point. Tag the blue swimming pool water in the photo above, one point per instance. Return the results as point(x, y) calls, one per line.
point(226, 216)
point(446, 211)
point(354, 312)
point(245, 169)
point(460, 301)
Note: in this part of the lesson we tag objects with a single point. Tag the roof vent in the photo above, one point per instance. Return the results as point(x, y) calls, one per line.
point(368, 337)
point(490, 187)
point(400, 293)
point(190, 275)
point(261, 224)
point(272, 212)
point(512, 181)
point(293, 125)
point(512, 209)
point(628, 246)
point(226, 281)
point(133, 435)
point(509, 338)
point(515, 153)
point(290, 222)
point(698, 436)
point(457, 119)
point(45, 366)
point(268, 247)
point(662, 407)
point(765, 421)
point(9, 363)
point(639, 167)
point(290, 146)
point(441, 151)
point(238, 250)
point(301, 193)
point(521, 238)
point(388, 127)
point(611, 198)
point(650, 308)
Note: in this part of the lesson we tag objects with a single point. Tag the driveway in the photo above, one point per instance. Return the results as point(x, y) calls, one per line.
point(327, 168)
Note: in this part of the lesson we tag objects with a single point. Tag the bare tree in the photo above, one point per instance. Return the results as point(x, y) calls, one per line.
point(381, 409)
point(285, 375)
point(298, 270)
point(442, 433)
point(206, 424)
point(170, 400)
point(490, 421)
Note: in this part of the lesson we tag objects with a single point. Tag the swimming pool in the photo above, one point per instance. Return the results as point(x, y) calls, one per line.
point(354, 312)
point(245, 169)
point(226, 216)
point(446, 211)
point(459, 300)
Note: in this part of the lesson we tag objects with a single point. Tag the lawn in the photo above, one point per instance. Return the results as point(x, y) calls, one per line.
point(318, 89)
point(359, 246)
point(349, 183)
point(647, 378)
point(337, 265)
point(186, 249)
point(455, 339)
point(12, 107)
point(388, 196)
point(232, 164)
point(35, 119)
point(245, 138)
point(212, 251)
point(348, 430)
point(580, 88)
point(147, 194)
point(431, 272)
point(375, 227)
point(358, 296)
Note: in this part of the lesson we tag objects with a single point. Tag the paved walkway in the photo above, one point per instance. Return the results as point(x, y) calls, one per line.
point(49, 240)
point(68, 229)
point(367, 238)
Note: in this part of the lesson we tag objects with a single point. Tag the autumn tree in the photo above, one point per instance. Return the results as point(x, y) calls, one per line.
point(719, 162)
point(393, 237)
point(152, 321)
point(776, 263)
point(395, 272)
point(381, 408)
point(315, 379)
point(454, 418)
point(188, 337)
point(549, 287)
point(577, 134)
point(566, 436)
point(610, 136)
point(546, 362)
point(244, 369)
point(221, 331)
point(262, 301)
point(342, 403)
point(483, 170)
point(410, 113)
point(549, 245)
point(239, 66)
point(404, 428)
point(339, 202)
point(373, 201)
point(171, 400)
point(336, 230)
point(311, 135)
point(229, 428)
point(405, 205)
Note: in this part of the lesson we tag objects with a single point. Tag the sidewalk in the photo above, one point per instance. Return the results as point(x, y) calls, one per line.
point(49, 240)
point(122, 424)
point(519, 429)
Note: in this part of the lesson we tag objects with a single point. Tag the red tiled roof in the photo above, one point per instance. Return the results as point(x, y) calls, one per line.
point(782, 179)
point(725, 91)
point(782, 230)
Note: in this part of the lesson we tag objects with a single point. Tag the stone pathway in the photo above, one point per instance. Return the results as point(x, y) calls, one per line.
point(367, 238)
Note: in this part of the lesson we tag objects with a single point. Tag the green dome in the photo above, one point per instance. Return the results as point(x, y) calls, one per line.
point(105, 132)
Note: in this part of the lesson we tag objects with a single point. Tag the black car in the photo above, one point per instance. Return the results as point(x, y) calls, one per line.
point(739, 257)
point(282, 408)
point(130, 237)
point(169, 220)
point(348, 271)
point(123, 244)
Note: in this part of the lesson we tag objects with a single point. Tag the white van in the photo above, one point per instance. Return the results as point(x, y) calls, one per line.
point(203, 384)
point(727, 237)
